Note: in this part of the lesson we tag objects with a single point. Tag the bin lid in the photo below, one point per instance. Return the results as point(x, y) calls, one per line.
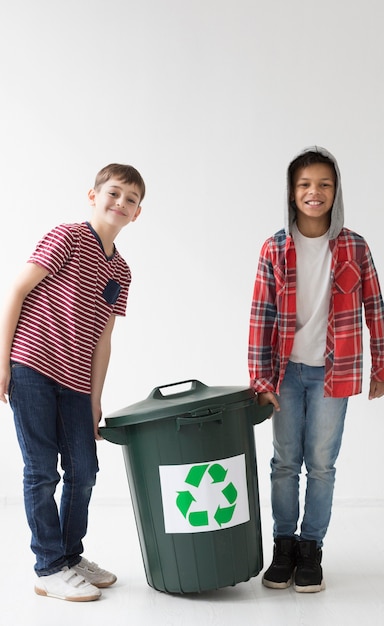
point(195, 401)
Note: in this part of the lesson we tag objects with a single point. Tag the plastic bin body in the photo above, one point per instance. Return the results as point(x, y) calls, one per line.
point(209, 438)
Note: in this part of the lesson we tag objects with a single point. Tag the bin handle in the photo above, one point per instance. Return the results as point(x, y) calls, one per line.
point(114, 435)
point(212, 416)
point(262, 413)
point(195, 384)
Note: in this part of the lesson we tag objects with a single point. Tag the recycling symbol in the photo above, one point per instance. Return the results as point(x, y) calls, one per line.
point(186, 502)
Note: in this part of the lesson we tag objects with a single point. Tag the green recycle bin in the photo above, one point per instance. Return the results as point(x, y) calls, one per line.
point(191, 467)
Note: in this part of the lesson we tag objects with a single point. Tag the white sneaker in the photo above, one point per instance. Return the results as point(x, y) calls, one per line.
point(94, 574)
point(67, 585)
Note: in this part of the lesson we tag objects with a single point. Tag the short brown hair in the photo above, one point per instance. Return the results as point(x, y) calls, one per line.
point(125, 173)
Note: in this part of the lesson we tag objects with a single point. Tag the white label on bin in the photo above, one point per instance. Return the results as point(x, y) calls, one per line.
point(204, 496)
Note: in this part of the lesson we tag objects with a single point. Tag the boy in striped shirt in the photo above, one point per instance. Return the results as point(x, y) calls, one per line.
point(55, 339)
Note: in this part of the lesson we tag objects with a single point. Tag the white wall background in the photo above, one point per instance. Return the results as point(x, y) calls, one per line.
point(209, 99)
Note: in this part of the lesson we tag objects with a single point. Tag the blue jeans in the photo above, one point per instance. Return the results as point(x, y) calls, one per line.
point(53, 421)
point(308, 429)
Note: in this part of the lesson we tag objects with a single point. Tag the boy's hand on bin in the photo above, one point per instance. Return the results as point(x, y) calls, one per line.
point(268, 398)
point(97, 414)
point(376, 389)
point(5, 377)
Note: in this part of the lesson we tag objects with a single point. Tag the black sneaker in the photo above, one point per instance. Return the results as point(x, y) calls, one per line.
point(279, 573)
point(309, 573)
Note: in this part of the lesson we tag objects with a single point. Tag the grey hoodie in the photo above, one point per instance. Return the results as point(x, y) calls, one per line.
point(337, 215)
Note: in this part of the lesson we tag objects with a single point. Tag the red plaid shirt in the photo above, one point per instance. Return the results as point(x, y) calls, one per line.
point(273, 316)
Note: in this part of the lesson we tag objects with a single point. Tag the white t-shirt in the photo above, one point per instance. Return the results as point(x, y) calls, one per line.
point(313, 265)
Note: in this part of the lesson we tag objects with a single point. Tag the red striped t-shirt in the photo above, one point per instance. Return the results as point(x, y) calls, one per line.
point(63, 317)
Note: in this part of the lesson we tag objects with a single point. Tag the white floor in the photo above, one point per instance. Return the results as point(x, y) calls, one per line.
point(353, 567)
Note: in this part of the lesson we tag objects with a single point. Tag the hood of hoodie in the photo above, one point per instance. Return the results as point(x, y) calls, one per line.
point(337, 211)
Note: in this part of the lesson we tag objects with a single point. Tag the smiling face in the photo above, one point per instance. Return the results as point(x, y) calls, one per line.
point(313, 193)
point(115, 203)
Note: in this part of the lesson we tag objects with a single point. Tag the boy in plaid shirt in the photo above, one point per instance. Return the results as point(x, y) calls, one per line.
point(305, 356)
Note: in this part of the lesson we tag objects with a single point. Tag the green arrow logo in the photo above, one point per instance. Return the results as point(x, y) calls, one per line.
point(195, 475)
point(230, 492)
point(198, 518)
point(185, 499)
point(218, 473)
point(224, 515)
